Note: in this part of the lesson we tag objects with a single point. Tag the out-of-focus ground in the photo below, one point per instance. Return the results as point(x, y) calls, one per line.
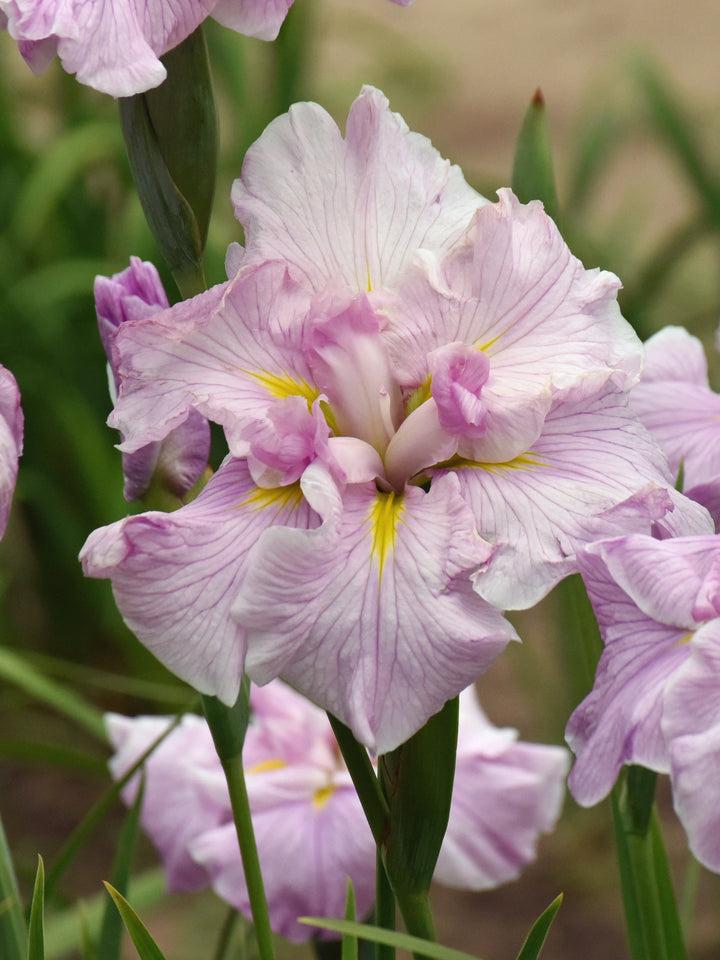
point(462, 72)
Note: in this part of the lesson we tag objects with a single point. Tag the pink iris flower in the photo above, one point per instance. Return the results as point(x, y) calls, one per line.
point(11, 438)
point(425, 399)
point(115, 46)
point(178, 461)
point(656, 696)
point(676, 404)
point(310, 828)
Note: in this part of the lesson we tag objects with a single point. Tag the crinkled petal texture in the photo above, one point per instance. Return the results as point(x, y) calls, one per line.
point(115, 45)
point(175, 576)
point(228, 354)
point(373, 615)
point(505, 795)
point(691, 723)
point(592, 458)
point(11, 439)
point(351, 211)
point(185, 788)
point(649, 597)
point(676, 404)
point(182, 456)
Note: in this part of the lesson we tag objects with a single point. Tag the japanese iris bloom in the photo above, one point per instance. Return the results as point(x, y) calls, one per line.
point(310, 828)
point(675, 402)
point(178, 461)
point(11, 437)
point(655, 701)
point(115, 46)
point(413, 367)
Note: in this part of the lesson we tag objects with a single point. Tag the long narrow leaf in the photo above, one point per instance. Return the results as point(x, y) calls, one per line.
point(539, 931)
point(64, 931)
point(36, 933)
point(140, 935)
point(401, 941)
point(18, 671)
point(13, 931)
point(350, 940)
point(111, 930)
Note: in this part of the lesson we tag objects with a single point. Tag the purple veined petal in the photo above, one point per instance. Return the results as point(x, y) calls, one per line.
point(372, 616)
point(285, 726)
point(690, 516)
point(505, 795)
point(11, 441)
point(592, 457)
point(307, 848)
point(252, 18)
point(513, 290)
point(175, 576)
point(459, 373)
point(353, 210)
point(185, 788)
point(708, 495)
point(228, 353)
point(621, 721)
point(691, 724)
point(181, 457)
point(286, 441)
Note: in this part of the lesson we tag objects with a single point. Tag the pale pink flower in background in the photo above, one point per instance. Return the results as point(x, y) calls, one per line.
point(11, 439)
point(431, 367)
point(181, 457)
point(655, 701)
point(115, 45)
point(675, 402)
point(310, 828)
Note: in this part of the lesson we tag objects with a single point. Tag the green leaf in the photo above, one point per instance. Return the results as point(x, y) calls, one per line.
point(539, 931)
point(64, 929)
point(228, 725)
point(111, 929)
point(364, 778)
point(36, 932)
point(18, 671)
point(13, 930)
point(418, 780)
point(349, 940)
point(532, 176)
point(144, 944)
point(401, 941)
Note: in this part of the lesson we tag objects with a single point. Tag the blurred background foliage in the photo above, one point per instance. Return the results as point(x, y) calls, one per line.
point(69, 211)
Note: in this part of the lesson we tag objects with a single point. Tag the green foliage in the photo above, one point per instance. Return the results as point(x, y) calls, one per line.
point(144, 944)
point(533, 177)
point(538, 932)
point(13, 931)
point(36, 928)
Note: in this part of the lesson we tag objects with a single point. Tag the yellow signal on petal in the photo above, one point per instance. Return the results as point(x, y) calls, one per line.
point(321, 796)
point(385, 513)
point(266, 765)
point(280, 498)
point(282, 385)
point(525, 461)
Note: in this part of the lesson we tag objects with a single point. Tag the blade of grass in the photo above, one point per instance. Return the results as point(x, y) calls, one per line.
point(401, 941)
point(36, 930)
point(13, 930)
point(139, 934)
point(539, 931)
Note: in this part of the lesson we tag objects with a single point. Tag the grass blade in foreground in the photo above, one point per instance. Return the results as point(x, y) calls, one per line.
point(350, 940)
point(36, 936)
point(144, 944)
point(401, 941)
point(13, 932)
point(111, 930)
point(539, 931)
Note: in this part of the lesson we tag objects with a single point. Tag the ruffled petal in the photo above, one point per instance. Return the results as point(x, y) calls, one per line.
point(252, 18)
point(352, 211)
point(176, 575)
point(591, 458)
point(228, 353)
point(373, 615)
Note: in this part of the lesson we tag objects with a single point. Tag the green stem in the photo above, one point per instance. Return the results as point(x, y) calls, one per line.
point(417, 915)
point(228, 726)
point(364, 778)
point(384, 909)
point(653, 927)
